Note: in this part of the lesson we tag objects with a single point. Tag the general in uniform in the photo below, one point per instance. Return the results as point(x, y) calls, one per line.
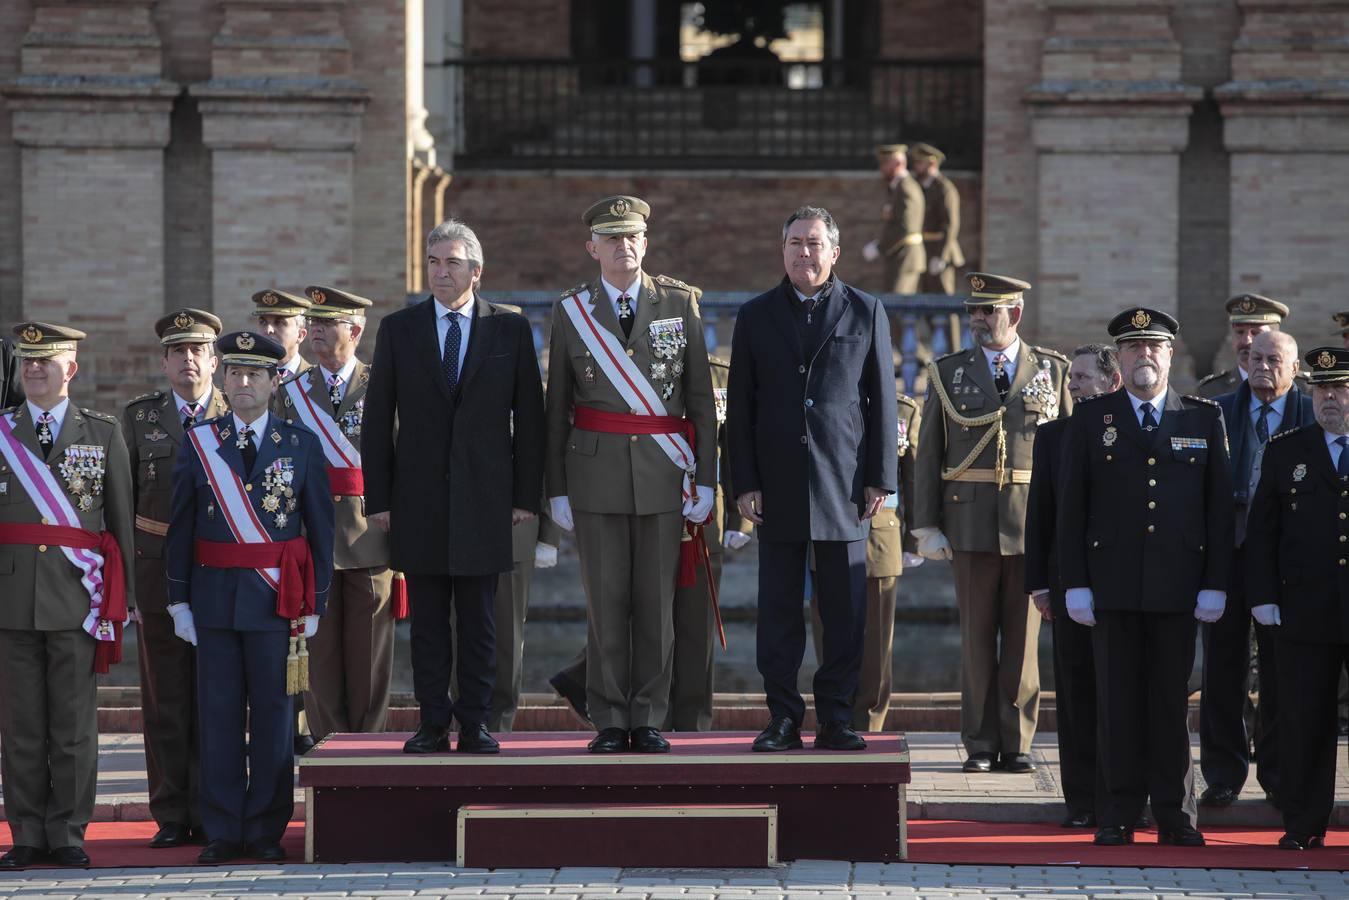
point(1297, 571)
point(250, 560)
point(900, 243)
point(1247, 316)
point(282, 317)
point(973, 478)
point(65, 540)
point(153, 426)
point(631, 454)
point(1144, 540)
point(941, 221)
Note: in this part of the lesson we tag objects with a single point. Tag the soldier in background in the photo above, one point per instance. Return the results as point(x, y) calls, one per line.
point(281, 316)
point(1342, 325)
point(941, 221)
point(900, 243)
point(153, 426)
point(1247, 316)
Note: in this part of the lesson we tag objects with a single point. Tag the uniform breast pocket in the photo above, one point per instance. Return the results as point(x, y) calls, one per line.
point(583, 443)
point(1190, 456)
point(155, 463)
point(583, 366)
point(9, 489)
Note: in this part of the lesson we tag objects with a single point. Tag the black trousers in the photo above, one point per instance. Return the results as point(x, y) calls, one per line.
point(1075, 689)
point(1143, 663)
point(1309, 681)
point(841, 570)
point(435, 642)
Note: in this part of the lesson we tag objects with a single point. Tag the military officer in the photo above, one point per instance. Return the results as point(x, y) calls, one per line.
point(1342, 324)
point(65, 537)
point(890, 547)
point(282, 317)
point(153, 425)
point(973, 478)
point(628, 385)
point(900, 243)
point(1247, 316)
point(1144, 539)
point(351, 660)
point(941, 221)
point(250, 562)
point(1296, 566)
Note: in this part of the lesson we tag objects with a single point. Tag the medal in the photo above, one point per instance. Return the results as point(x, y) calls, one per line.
point(1299, 471)
point(281, 520)
point(271, 503)
point(1110, 436)
point(153, 416)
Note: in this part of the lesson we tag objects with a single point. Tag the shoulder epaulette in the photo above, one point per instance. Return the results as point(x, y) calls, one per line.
point(153, 395)
point(1079, 401)
point(572, 292)
point(951, 355)
point(905, 398)
point(718, 361)
point(672, 282)
point(1280, 435)
point(1204, 400)
point(103, 417)
point(1046, 351)
point(1215, 376)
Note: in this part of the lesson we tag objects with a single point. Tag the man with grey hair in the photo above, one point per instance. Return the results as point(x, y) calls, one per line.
point(452, 456)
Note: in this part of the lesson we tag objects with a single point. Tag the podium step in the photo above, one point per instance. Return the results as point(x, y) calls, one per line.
point(550, 836)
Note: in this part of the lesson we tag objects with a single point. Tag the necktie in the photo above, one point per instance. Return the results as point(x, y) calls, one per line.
point(1262, 423)
point(190, 412)
point(625, 316)
point(1343, 466)
point(335, 388)
point(1149, 421)
point(811, 304)
point(45, 438)
point(449, 360)
point(250, 449)
point(1000, 379)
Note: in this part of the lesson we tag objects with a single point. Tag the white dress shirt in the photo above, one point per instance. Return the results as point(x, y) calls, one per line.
point(349, 370)
point(1334, 448)
point(287, 369)
point(1012, 352)
point(443, 313)
point(1275, 415)
point(1157, 405)
point(58, 413)
point(203, 401)
point(258, 425)
point(632, 293)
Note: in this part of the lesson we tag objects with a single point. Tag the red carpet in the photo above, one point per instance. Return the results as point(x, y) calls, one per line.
point(116, 845)
point(993, 843)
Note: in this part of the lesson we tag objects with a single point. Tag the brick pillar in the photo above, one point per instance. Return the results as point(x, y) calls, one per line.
point(281, 116)
point(1109, 121)
point(1286, 125)
point(90, 114)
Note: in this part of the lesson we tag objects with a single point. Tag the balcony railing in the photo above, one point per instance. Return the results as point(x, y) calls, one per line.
point(672, 114)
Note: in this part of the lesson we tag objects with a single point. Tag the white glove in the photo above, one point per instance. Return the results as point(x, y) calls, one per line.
point(183, 624)
point(912, 560)
point(559, 510)
point(545, 555)
point(697, 511)
point(932, 544)
point(936, 265)
point(871, 252)
point(309, 626)
point(734, 539)
point(1080, 606)
point(1210, 605)
point(1267, 614)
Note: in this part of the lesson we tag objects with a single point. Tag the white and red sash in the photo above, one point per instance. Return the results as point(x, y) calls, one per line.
point(628, 380)
point(229, 492)
point(344, 460)
point(55, 507)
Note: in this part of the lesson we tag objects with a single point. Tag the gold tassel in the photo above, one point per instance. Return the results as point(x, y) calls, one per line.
point(292, 670)
point(303, 664)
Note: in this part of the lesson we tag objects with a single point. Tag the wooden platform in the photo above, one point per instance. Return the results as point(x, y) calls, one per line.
point(366, 800)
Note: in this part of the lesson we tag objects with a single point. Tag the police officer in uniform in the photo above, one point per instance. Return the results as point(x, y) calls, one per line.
point(65, 515)
point(628, 365)
point(900, 243)
point(225, 548)
point(153, 426)
point(973, 478)
point(1247, 316)
point(1144, 539)
point(941, 221)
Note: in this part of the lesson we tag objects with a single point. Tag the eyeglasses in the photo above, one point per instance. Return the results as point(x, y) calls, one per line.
point(986, 309)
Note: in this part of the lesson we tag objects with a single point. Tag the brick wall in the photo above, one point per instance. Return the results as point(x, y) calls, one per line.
point(931, 29)
point(14, 18)
point(539, 29)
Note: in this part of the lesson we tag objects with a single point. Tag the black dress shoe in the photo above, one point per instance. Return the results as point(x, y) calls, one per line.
point(574, 694)
point(1113, 836)
point(838, 736)
point(429, 739)
point(648, 740)
point(1079, 820)
point(475, 739)
point(1017, 763)
point(21, 857)
point(1217, 795)
point(217, 852)
point(1292, 841)
point(70, 857)
point(1181, 836)
point(266, 851)
point(782, 733)
point(303, 744)
point(979, 762)
point(609, 740)
point(171, 834)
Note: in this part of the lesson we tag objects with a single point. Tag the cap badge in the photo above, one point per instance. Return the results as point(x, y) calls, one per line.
point(318, 297)
point(183, 320)
point(270, 299)
point(620, 207)
point(977, 283)
point(1326, 360)
point(1141, 319)
point(244, 342)
point(1247, 305)
point(31, 335)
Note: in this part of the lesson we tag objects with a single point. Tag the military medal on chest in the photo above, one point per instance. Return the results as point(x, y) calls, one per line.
point(82, 466)
point(903, 430)
point(1042, 393)
point(719, 398)
point(667, 340)
point(350, 422)
point(278, 490)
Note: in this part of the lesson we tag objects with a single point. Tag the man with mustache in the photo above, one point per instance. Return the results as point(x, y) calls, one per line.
point(1296, 560)
point(973, 479)
point(1269, 403)
point(1247, 315)
point(1144, 540)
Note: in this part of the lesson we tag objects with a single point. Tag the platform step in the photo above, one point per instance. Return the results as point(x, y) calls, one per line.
point(549, 836)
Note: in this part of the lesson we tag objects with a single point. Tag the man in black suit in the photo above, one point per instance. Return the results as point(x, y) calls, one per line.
point(1268, 403)
point(1094, 370)
point(814, 453)
point(452, 450)
point(1144, 539)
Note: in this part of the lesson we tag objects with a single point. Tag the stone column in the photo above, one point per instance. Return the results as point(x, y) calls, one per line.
point(1109, 121)
point(1286, 125)
point(90, 114)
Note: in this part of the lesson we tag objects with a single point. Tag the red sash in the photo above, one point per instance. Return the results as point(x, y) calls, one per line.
point(346, 482)
point(295, 595)
point(588, 418)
